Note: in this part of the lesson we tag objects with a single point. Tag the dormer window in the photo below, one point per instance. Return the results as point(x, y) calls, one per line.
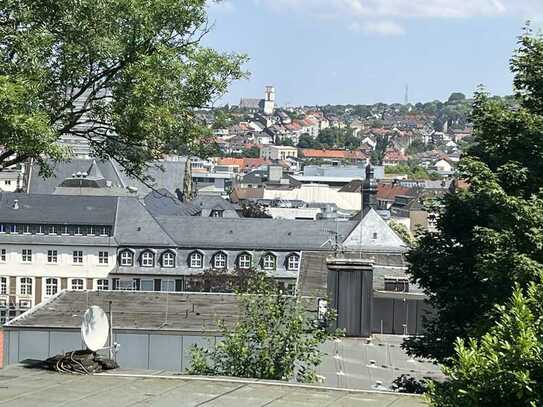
point(196, 260)
point(217, 213)
point(147, 259)
point(244, 261)
point(219, 260)
point(127, 258)
point(168, 259)
point(293, 262)
point(268, 262)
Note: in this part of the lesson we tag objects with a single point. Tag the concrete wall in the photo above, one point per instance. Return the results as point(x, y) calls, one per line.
point(138, 350)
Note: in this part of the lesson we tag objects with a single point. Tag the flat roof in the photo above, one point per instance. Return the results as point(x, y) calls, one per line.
point(137, 310)
point(30, 387)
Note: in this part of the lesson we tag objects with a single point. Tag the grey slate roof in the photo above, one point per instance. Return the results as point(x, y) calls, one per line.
point(163, 203)
point(266, 234)
point(163, 174)
point(63, 170)
point(135, 226)
point(57, 209)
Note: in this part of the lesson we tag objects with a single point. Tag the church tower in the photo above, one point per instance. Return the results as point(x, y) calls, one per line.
point(369, 191)
point(269, 100)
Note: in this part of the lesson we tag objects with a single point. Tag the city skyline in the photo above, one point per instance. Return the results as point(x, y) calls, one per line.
point(343, 52)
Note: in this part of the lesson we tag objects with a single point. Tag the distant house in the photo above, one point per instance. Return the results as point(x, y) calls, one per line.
point(278, 152)
point(394, 157)
point(354, 156)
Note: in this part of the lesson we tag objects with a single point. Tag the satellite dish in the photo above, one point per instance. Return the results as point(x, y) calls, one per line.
point(95, 328)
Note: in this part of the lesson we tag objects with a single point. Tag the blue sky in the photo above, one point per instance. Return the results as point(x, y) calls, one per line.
point(366, 51)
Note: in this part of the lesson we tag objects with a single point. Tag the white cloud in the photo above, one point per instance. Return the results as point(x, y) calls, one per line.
point(383, 28)
point(384, 16)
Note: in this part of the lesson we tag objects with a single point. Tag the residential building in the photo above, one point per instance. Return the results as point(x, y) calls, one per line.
point(272, 152)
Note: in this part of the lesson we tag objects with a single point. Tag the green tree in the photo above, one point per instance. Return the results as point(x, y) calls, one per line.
point(306, 141)
point(505, 366)
point(274, 338)
point(126, 75)
point(378, 154)
point(286, 141)
point(252, 152)
point(221, 120)
point(401, 230)
point(456, 97)
point(490, 235)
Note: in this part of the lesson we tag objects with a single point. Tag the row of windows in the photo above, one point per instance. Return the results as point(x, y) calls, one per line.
point(53, 257)
point(52, 285)
point(74, 230)
point(167, 259)
point(196, 260)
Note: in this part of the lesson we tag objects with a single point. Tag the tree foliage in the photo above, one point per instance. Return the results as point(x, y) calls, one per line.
point(274, 339)
point(504, 367)
point(490, 235)
point(126, 75)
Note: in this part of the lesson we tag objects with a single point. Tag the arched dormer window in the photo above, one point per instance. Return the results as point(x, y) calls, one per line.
point(244, 261)
point(269, 261)
point(168, 259)
point(126, 258)
point(219, 260)
point(147, 258)
point(196, 260)
point(293, 262)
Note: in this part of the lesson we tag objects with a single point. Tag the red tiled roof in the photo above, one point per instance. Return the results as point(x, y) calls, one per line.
point(389, 191)
point(315, 153)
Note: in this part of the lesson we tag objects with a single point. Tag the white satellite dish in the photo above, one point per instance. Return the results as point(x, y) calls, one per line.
point(95, 328)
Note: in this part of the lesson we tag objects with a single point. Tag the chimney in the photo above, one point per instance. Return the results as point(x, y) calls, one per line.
point(369, 191)
point(15, 204)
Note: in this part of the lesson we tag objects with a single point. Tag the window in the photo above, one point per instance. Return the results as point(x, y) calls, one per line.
point(102, 285)
point(127, 258)
point(3, 285)
point(52, 230)
point(167, 285)
point(2, 228)
point(399, 284)
point(268, 262)
point(78, 230)
point(26, 229)
point(374, 235)
point(196, 260)
point(65, 230)
point(25, 286)
point(103, 231)
point(78, 257)
point(168, 259)
point(27, 256)
point(77, 284)
point(13, 228)
point(219, 261)
point(52, 256)
point(147, 259)
point(103, 257)
point(51, 286)
point(293, 262)
point(3, 255)
point(216, 213)
point(244, 261)
point(7, 182)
